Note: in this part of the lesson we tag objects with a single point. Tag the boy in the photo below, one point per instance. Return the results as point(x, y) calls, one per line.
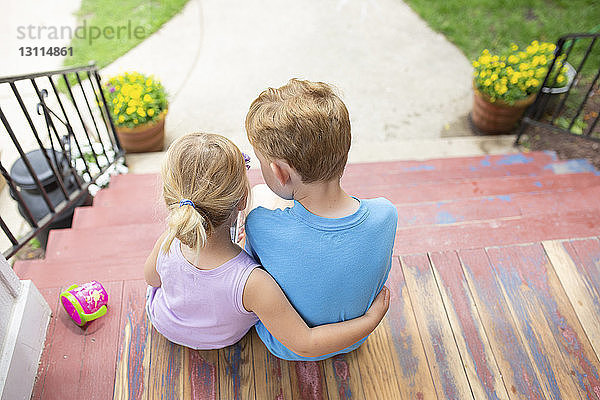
point(329, 252)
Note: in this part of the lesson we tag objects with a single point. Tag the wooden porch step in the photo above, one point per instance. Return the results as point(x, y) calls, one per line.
point(89, 217)
point(404, 172)
point(498, 232)
point(57, 273)
point(397, 193)
point(112, 242)
point(504, 322)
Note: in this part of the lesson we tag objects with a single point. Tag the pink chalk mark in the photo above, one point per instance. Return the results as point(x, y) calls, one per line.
point(309, 379)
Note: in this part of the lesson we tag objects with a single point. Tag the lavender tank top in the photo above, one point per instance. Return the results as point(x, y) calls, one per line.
point(201, 309)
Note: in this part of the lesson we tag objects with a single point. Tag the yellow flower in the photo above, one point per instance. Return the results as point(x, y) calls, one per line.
point(514, 47)
point(551, 47)
point(494, 77)
point(487, 82)
point(523, 66)
point(482, 74)
point(115, 101)
point(141, 112)
point(130, 110)
point(135, 121)
point(151, 112)
point(560, 79)
point(121, 118)
point(514, 80)
point(475, 65)
point(148, 82)
point(147, 98)
point(541, 72)
point(485, 59)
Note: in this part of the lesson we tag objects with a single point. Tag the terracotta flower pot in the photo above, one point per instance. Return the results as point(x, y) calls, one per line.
point(144, 138)
point(497, 117)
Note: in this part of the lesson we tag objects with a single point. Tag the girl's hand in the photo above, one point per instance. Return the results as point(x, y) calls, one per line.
point(380, 305)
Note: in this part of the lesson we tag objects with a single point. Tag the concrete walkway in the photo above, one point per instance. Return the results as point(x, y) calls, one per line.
point(399, 79)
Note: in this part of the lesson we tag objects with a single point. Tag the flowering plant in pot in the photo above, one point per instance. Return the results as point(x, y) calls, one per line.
point(505, 84)
point(138, 105)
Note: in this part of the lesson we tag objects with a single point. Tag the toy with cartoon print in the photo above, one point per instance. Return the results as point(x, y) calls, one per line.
point(85, 303)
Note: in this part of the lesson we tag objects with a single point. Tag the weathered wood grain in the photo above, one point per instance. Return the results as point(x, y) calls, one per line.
point(412, 371)
point(577, 285)
point(444, 359)
point(165, 380)
point(271, 374)
point(201, 371)
point(476, 354)
point(343, 377)
point(101, 348)
point(511, 355)
point(547, 320)
point(377, 367)
point(236, 376)
point(131, 376)
point(51, 295)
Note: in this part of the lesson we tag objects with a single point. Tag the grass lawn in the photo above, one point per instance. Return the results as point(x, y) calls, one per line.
point(474, 25)
point(147, 16)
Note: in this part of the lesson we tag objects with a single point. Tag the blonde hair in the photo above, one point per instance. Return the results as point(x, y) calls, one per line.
point(304, 123)
point(209, 170)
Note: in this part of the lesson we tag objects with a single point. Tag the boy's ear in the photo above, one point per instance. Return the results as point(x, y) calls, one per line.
point(281, 170)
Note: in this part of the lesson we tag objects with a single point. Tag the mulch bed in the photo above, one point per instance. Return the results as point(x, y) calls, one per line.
point(565, 145)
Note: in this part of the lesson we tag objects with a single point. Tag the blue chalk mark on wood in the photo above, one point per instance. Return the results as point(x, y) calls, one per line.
point(486, 162)
point(514, 159)
point(504, 197)
point(444, 217)
point(537, 183)
point(571, 167)
point(422, 167)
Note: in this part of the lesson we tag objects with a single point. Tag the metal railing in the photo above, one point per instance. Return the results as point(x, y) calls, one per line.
point(575, 108)
point(64, 115)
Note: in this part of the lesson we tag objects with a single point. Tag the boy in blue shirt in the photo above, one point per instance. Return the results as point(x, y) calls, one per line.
point(330, 252)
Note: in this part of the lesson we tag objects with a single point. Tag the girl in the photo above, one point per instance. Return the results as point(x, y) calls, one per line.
point(205, 291)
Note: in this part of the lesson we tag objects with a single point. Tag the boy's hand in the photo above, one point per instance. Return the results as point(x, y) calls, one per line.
point(380, 305)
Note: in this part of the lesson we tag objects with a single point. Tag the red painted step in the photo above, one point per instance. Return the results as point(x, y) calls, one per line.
point(453, 163)
point(486, 208)
point(88, 217)
point(63, 273)
point(154, 180)
point(498, 232)
point(112, 242)
point(418, 193)
point(400, 194)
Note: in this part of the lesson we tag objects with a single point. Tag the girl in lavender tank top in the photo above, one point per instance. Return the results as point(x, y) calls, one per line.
point(204, 291)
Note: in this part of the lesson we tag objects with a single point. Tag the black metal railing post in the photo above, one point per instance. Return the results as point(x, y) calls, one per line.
point(64, 179)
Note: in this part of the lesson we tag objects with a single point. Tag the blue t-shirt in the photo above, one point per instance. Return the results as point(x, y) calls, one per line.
point(330, 269)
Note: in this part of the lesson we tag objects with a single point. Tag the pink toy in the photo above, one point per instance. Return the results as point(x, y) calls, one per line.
point(85, 303)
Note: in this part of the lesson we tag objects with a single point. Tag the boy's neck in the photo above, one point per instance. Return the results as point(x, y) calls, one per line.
point(326, 199)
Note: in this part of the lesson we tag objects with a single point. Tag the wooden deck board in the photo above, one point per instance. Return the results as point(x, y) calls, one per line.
point(444, 358)
point(131, 375)
point(101, 348)
point(547, 321)
point(581, 291)
point(478, 359)
point(235, 371)
point(518, 373)
point(414, 377)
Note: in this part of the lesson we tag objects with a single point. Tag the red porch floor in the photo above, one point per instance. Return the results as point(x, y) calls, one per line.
point(493, 295)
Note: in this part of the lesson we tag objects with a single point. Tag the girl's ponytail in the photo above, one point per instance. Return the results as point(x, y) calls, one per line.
point(187, 224)
point(204, 181)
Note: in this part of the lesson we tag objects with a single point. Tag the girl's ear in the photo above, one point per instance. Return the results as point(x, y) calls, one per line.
point(243, 202)
point(281, 170)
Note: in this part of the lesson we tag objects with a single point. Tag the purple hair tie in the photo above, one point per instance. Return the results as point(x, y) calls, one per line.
point(246, 160)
